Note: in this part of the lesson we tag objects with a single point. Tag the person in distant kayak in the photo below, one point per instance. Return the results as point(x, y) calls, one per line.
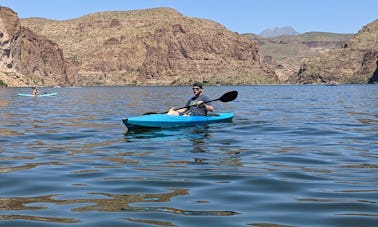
point(198, 105)
point(35, 91)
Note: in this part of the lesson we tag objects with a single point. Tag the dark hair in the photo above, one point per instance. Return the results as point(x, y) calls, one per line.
point(198, 84)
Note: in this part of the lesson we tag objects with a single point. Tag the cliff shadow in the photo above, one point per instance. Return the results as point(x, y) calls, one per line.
point(374, 78)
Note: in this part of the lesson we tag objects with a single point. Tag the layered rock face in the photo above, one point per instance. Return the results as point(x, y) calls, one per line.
point(355, 62)
point(27, 59)
point(284, 54)
point(152, 47)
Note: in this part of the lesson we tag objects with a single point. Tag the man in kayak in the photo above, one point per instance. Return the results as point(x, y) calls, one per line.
point(198, 105)
point(35, 91)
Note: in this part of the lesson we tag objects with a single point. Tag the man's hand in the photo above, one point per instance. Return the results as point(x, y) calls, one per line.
point(200, 103)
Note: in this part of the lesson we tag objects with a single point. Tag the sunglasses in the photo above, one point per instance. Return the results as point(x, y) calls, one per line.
point(196, 88)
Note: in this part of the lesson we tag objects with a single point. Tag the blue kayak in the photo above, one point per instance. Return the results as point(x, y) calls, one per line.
point(40, 95)
point(167, 121)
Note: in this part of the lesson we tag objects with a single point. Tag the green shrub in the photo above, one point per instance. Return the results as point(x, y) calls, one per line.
point(3, 84)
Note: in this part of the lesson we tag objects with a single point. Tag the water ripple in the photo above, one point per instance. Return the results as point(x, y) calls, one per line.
point(292, 156)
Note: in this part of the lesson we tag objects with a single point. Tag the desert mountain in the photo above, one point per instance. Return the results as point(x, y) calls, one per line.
point(162, 47)
point(278, 31)
point(284, 54)
point(354, 62)
point(156, 46)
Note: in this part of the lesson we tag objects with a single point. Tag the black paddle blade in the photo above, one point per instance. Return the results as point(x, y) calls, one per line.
point(229, 96)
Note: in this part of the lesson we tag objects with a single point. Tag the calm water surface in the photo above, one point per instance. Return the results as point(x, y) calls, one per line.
point(293, 156)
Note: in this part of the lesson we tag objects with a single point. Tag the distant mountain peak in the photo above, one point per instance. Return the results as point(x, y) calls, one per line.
point(278, 31)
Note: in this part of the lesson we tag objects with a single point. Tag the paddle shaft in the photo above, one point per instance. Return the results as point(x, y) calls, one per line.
point(179, 108)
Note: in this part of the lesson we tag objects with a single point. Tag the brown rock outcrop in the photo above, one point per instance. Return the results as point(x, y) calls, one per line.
point(27, 59)
point(354, 62)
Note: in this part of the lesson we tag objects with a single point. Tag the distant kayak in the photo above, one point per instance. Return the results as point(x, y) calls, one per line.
point(40, 95)
point(167, 121)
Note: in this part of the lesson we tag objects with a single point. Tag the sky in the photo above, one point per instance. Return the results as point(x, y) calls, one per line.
point(242, 16)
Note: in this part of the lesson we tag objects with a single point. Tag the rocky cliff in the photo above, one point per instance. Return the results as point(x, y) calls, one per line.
point(152, 47)
point(285, 54)
point(28, 59)
point(354, 62)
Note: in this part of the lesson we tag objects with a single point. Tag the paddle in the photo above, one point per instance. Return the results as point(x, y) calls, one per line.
point(227, 97)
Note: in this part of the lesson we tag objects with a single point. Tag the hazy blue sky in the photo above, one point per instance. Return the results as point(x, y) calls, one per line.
point(242, 16)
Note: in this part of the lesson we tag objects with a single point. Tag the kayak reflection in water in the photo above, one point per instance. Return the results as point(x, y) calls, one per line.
point(198, 105)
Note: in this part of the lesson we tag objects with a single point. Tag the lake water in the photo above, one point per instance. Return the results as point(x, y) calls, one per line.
point(294, 155)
